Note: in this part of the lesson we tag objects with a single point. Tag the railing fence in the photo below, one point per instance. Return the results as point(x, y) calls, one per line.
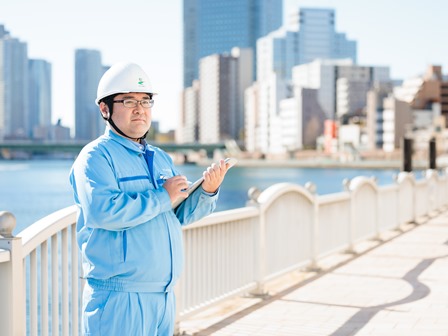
point(284, 228)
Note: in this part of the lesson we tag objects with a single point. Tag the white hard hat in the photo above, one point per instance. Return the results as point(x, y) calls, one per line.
point(123, 77)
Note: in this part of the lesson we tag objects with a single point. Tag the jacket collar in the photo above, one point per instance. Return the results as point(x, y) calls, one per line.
point(123, 141)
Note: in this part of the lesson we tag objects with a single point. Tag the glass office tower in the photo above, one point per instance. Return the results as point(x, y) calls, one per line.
point(14, 113)
point(40, 98)
point(215, 27)
point(318, 37)
point(88, 71)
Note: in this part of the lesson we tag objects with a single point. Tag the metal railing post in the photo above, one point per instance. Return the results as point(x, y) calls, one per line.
point(12, 294)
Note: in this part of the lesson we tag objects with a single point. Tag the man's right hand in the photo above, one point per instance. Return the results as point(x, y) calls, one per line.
point(176, 187)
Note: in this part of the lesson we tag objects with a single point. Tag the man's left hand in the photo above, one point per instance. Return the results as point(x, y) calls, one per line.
point(214, 175)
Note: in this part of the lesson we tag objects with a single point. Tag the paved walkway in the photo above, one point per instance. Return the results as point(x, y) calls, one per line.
point(398, 287)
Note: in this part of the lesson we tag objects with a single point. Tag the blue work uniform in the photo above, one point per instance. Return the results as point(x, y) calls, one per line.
point(129, 235)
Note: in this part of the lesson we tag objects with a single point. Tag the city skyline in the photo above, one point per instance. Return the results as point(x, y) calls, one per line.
point(407, 42)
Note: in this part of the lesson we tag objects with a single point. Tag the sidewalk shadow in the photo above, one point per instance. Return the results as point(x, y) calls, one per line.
point(365, 314)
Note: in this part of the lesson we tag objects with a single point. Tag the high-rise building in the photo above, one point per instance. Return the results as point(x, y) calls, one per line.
point(223, 79)
point(374, 109)
point(318, 37)
point(311, 35)
point(39, 72)
point(302, 120)
point(189, 128)
point(215, 27)
point(338, 82)
point(351, 97)
point(14, 117)
point(88, 71)
point(396, 119)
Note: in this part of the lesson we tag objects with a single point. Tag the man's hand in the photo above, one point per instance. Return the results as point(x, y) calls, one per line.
point(176, 187)
point(214, 175)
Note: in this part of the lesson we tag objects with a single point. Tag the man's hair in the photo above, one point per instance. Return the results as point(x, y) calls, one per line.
point(109, 101)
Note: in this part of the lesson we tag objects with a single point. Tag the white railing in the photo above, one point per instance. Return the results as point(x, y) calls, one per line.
point(41, 278)
point(284, 228)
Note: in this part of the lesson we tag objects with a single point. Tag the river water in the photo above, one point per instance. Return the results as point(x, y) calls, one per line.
point(33, 189)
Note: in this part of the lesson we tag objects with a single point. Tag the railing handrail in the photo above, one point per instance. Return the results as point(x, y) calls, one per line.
point(268, 196)
point(333, 198)
point(38, 232)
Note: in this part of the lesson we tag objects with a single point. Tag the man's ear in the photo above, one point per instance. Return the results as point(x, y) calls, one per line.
point(104, 109)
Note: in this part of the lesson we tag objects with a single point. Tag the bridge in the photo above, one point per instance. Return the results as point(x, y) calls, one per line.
point(7, 148)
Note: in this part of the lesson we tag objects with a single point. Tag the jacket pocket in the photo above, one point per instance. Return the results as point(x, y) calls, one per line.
point(125, 245)
point(118, 246)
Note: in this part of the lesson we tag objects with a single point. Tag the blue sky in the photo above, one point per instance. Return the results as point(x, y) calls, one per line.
point(406, 35)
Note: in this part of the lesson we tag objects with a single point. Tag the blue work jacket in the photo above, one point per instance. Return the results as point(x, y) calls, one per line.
point(129, 235)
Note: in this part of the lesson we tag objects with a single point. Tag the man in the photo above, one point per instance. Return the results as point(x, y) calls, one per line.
point(129, 235)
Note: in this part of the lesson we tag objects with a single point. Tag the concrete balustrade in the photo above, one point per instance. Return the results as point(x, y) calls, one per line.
point(284, 228)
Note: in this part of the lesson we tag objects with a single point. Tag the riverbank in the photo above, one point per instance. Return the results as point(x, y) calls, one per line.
point(317, 163)
point(318, 159)
point(328, 163)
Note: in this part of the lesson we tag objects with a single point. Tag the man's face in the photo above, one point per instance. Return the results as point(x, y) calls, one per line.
point(132, 121)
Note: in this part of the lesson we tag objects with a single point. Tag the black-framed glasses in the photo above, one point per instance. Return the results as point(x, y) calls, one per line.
point(145, 103)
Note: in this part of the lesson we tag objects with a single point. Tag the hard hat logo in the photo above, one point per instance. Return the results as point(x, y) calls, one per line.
point(141, 82)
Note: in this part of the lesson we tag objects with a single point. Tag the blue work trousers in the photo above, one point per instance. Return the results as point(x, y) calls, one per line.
point(114, 313)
